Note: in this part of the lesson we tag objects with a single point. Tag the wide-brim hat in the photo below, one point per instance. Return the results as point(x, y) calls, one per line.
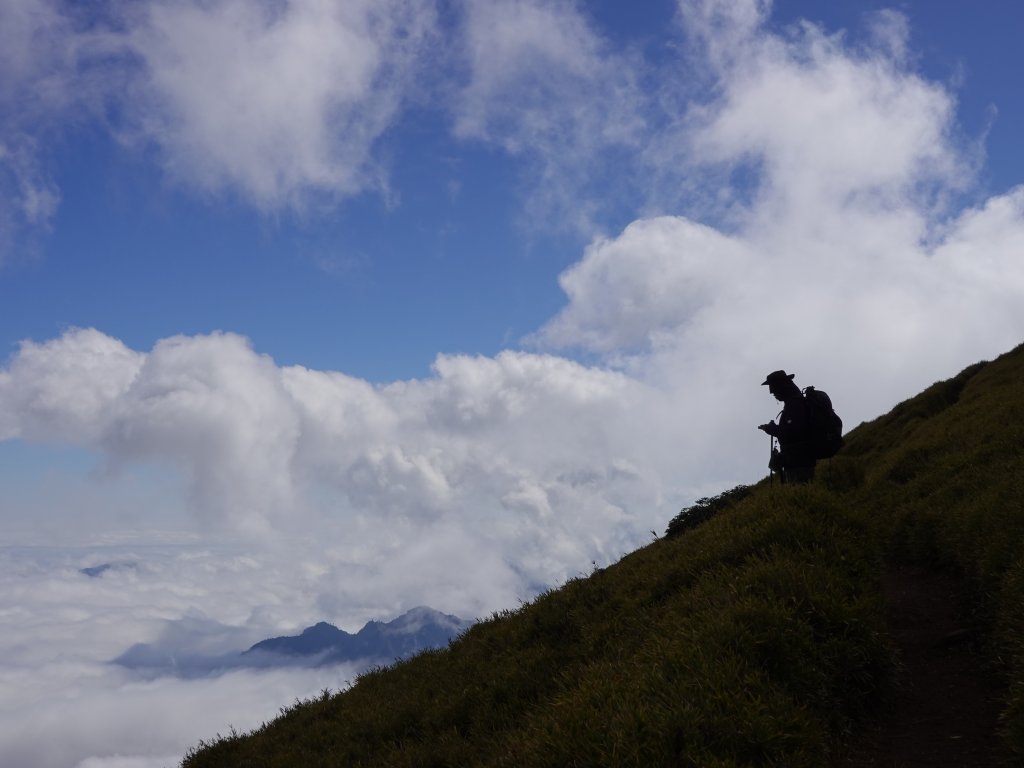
point(777, 377)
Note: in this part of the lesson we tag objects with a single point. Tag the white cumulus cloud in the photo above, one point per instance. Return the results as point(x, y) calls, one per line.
point(61, 390)
point(274, 100)
point(522, 455)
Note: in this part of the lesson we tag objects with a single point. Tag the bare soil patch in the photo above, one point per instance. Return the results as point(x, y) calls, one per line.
point(945, 709)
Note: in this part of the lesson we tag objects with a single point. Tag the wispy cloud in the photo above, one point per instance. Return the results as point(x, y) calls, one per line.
point(547, 87)
point(283, 105)
point(39, 61)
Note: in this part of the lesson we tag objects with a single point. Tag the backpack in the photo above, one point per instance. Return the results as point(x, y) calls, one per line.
point(826, 426)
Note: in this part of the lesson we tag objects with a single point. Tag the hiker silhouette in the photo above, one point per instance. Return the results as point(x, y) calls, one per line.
point(794, 460)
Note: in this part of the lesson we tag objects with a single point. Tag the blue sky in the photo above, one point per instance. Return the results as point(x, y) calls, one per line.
point(371, 286)
point(322, 311)
point(376, 285)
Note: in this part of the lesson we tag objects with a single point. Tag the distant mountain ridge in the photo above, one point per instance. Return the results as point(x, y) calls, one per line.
point(96, 571)
point(320, 645)
point(412, 632)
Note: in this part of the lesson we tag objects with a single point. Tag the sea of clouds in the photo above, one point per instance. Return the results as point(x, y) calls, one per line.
point(64, 704)
point(854, 253)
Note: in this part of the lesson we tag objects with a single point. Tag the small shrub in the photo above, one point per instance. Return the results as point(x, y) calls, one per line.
point(705, 508)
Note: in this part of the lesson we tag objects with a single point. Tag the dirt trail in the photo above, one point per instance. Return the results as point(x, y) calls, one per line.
point(945, 711)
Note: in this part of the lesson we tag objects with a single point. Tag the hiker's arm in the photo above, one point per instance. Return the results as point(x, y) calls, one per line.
point(792, 425)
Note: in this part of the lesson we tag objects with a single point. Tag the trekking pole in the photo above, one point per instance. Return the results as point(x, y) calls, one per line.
point(771, 455)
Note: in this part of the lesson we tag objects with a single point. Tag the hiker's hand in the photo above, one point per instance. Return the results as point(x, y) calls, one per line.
point(769, 427)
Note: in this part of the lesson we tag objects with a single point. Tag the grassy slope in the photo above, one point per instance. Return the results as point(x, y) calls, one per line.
point(753, 639)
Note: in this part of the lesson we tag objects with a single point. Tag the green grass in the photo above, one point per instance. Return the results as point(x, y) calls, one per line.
point(751, 637)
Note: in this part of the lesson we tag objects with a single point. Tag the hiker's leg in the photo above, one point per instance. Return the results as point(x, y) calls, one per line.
point(799, 474)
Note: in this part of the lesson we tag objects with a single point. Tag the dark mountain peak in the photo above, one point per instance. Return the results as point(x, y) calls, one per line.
point(96, 571)
point(313, 640)
point(414, 631)
point(321, 628)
